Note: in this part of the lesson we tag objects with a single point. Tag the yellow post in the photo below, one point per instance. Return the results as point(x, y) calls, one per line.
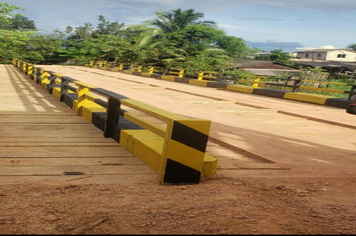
point(23, 66)
point(181, 73)
point(121, 66)
point(201, 75)
point(150, 70)
point(139, 68)
point(183, 153)
point(82, 92)
point(45, 79)
point(29, 70)
point(256, 79)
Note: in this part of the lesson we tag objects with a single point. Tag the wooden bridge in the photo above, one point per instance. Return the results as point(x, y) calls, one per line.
point(42, 139)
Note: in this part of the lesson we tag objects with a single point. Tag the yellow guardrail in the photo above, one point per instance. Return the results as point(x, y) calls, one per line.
point(172, 145)
point(253, 81)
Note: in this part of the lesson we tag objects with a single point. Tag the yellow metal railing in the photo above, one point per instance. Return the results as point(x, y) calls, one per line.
point(253, 81)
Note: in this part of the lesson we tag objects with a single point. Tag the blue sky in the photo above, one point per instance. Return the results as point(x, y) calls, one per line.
point(269, 24)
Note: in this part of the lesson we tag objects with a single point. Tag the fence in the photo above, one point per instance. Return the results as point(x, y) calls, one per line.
point(291, 84)
point(171, 144)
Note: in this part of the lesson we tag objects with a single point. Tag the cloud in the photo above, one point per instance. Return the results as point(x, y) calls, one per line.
point(324, 5)
point(228, 26)
point(327, 47)
point(258, 18)
point(273, 45)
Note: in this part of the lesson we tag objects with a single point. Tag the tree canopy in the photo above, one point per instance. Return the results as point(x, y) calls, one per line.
point(14, 21)
point(176, 38)
point(176, 20)
point(352, 47)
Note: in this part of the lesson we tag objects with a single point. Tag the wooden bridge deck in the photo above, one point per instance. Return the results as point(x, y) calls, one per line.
point(41, 139)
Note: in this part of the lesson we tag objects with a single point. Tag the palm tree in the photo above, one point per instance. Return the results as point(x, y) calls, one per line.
point(175, 20)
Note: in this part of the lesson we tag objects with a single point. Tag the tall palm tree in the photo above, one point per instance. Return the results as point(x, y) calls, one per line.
point(175, 20)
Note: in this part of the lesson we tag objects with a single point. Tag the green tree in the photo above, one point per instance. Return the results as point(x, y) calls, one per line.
point(13, 44)
point(175, 20)
point(278, 56)
point(108, 28)
point(194, 39)
point(80, 32)
point(14, 21)
point(46, 48)
point(352, 47)
point(103, 47)
point(235, 47)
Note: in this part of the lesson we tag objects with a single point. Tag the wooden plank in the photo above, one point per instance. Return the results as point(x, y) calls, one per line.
point(11, 119)
point(67, 112)
point(47, 131)
point(60, 170)
point(50, 145)
point(31, 141)
point(52, 152)
point(95, 161)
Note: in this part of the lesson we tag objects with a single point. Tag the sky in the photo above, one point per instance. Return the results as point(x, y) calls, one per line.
point(290, 25)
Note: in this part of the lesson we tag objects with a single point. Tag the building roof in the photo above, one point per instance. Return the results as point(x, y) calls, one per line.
point(326, 50)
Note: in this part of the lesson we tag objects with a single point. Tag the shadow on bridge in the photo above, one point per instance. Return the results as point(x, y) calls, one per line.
point(20, 94)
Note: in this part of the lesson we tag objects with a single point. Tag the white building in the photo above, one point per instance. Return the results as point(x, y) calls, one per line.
point(342, 55)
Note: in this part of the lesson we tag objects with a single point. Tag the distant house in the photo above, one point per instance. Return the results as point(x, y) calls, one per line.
point(266, 68)
point(342, 55)
point(330, 66)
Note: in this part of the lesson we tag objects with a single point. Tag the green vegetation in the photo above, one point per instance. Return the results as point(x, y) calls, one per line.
point(277, 56)
point(176, 38)
point(352, 47)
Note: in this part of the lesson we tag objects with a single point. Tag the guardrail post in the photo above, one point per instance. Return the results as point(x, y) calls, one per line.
point(29, 70)
point(184, 151)
point(181, 73)
point(200, 75)
point(45, 79)
point(255, 79)
point(296, 85)
point(21, 66)
point(139, 68)
point(352, 95)
point(25, 68)
point(112, 116)
point(64, 89)
point(81, 92)
point(150, 70)
point(52, 83)
point(37, 76)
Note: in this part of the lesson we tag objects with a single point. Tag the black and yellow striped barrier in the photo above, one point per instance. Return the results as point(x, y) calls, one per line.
point(256, 86)
point(172, 145)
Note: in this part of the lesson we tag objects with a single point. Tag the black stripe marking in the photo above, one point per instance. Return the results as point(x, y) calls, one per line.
point(188, 136)
point(338, 102)
point(109, 93)
point(270, 92)
point(177, 173)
